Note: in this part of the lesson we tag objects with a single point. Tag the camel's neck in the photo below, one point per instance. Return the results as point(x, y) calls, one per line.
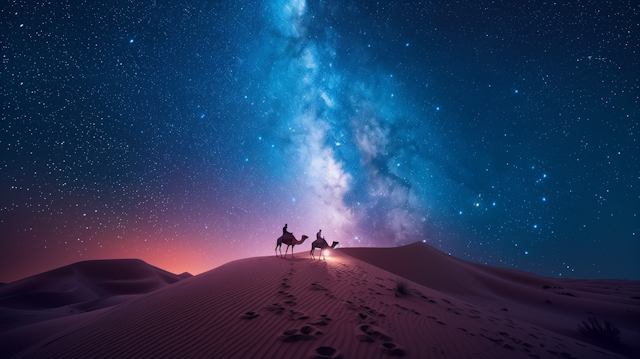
point(300, 241)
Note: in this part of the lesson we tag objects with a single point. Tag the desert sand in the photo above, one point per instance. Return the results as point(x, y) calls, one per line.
point(345, 306)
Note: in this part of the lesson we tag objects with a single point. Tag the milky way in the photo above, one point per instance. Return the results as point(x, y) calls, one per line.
point(188, 133)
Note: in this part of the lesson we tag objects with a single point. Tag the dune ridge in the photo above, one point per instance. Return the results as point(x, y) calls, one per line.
point(269, 307)
point(60, 295)
point(556, 304)
point(83, 281)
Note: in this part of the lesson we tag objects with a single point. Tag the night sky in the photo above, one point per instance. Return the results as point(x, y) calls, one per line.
point(187, 133)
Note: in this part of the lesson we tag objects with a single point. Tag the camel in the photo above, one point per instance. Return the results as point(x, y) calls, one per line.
point(322, 244)
point(289, 240)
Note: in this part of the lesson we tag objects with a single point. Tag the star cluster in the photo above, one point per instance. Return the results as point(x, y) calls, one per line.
point(188, 133)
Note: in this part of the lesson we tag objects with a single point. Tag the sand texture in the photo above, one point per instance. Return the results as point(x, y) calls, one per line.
point(348, 307)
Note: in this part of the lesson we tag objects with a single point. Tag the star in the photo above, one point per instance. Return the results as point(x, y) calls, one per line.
point(343, 105)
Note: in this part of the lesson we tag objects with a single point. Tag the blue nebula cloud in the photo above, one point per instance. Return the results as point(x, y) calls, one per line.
point(371, 163)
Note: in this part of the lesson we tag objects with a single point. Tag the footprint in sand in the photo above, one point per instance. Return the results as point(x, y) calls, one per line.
point(320, 320)
point(365, 318)
point(370, 333)
point(291, 302)
point(316, 286)
point(436, 319)
point(293, 315)
point(287, 295)
point(326, 353)
point(249, 315)
point(275, 307)
point(393, 349)
point(495, 340)
point(350, 305)
point(306, 332)
point(372, 311)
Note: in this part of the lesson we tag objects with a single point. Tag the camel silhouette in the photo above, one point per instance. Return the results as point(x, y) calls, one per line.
point(289, 240)
point(322, 244)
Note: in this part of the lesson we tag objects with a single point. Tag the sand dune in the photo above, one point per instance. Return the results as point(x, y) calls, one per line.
point(84, 281)
point(559, 305)
point(269, 307)
point(67, 291)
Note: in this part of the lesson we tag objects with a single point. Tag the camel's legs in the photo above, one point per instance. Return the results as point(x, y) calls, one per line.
point(312, 253)
point(279, 249)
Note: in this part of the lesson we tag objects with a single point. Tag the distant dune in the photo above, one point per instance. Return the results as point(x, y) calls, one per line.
point(58, 296)
point(348, 306)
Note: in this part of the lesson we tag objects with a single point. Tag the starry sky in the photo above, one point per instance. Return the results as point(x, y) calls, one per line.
point(187, 133)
